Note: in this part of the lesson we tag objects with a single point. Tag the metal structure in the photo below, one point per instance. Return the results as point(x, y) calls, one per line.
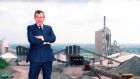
point(87, 51)
point(103, 41)
point(106, 39)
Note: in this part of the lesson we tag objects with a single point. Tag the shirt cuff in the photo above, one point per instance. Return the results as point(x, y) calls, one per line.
point(42, 38)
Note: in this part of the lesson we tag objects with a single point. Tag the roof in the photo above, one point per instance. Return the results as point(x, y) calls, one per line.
point(8, 55)
point(122, 57)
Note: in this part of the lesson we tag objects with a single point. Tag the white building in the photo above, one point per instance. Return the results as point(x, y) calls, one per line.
point(8, 56)
point(3, 46)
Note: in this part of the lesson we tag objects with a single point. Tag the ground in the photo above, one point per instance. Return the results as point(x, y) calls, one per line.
point(22, 73)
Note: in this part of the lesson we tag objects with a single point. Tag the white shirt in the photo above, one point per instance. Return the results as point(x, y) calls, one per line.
point(39, 26)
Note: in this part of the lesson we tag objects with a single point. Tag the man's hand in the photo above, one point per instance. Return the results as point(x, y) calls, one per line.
point(40, 37)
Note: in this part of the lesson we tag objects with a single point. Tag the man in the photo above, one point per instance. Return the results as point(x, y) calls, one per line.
point(40, 53)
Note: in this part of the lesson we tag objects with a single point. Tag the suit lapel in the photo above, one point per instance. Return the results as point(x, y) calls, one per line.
point(37, 30)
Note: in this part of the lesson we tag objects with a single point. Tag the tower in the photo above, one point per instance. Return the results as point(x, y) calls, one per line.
point(103, 41)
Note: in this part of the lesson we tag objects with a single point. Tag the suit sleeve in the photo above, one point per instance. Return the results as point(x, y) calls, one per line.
point(31, 38)
point(51, 37)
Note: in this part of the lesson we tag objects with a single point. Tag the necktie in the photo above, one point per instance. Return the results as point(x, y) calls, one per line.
point(40, 28)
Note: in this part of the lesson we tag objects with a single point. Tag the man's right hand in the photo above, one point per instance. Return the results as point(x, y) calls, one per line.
point(40, 37)
point(46, 43)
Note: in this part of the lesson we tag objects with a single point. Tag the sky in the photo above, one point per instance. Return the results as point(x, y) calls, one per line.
point(73, 21)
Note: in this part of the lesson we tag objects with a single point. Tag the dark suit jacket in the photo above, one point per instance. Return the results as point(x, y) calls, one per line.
point(39, 52)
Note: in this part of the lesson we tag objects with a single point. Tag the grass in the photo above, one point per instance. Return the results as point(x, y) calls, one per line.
point(3, 63)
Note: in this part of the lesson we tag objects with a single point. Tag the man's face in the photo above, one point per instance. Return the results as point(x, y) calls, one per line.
point(39, 18)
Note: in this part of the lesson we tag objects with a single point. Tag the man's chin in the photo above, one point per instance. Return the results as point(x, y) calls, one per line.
point(39, 23)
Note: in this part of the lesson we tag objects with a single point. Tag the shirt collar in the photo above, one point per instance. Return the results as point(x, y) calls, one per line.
point(40, 25)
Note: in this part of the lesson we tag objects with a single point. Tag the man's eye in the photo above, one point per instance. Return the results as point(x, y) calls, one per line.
point(39, 17)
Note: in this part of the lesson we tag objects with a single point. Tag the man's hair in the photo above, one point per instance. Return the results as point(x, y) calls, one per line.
point(38, 12)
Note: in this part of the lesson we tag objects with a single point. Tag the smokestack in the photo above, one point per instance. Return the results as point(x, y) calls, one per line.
point(104, 21)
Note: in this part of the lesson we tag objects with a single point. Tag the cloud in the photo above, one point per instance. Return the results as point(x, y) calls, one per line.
point(68, 20)
point(69, 1)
